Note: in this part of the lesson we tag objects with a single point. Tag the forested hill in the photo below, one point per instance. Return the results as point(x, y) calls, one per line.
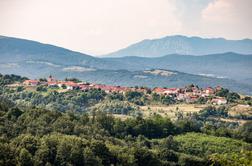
point(35, 130)
point(226, 65)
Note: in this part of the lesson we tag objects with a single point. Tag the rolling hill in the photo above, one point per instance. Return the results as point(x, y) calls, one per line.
point(36, 60)
point(15, 50)
point(226, 65)
point(184, 45)
point(146, 78)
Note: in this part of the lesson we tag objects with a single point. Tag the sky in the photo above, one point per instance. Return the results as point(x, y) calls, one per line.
point(98, 27)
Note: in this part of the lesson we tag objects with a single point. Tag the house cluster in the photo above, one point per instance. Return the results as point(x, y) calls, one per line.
point(71, 85)
point(188, 94)
point(192, 94)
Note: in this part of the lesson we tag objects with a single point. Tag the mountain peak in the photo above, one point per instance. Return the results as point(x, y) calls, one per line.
point(179, 44)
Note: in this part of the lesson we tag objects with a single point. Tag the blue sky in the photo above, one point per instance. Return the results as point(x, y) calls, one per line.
point(101, 26)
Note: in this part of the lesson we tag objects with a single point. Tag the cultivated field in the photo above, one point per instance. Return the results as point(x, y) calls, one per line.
point(171, 110)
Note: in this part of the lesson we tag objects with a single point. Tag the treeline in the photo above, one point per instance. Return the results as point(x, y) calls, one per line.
point(37, 121)
point(78, 128)
point(83, 102)
point(9, 79)
point(34, 136)
point(77, 101)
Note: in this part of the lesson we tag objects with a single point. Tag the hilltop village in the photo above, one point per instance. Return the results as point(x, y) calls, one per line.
point(188, 94)
point(165, 125)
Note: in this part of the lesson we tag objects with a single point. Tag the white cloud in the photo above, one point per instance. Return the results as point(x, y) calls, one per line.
point(102, 26)
point(230, 18)
point(95, 26)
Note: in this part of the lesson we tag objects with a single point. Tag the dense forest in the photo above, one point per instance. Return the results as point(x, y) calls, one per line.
point(46, 127)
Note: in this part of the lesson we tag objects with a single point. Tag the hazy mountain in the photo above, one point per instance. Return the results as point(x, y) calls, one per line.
point(226, 65)
point(124, 77)
point(35, 60)
point(185, 46)
point(13, 50)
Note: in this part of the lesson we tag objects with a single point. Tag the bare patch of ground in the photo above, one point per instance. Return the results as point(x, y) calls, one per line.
point(241, 109)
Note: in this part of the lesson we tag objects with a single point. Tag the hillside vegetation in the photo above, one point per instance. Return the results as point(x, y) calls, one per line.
point(47, 127)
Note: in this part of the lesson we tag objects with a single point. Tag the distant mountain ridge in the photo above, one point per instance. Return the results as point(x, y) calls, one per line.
point(35, 60)
point(16, 50)
point(24, 49)
point(184, 45)
point(227, 65)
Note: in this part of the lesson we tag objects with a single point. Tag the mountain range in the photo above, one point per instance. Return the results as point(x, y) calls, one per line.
point(226, 65)
point(36, 60)
point(185, 46)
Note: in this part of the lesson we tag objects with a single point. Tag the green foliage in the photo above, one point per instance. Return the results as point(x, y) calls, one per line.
point(213, 111)
point(223, 92)
point(188, 125)
point(134, 97)
point(25, 158)
point(20, 88)
point(170, 143)
point(42, 137)
point(155, 97)
point(202, 145)
point(115, 107)
point(188, 160)
point(144, 157)
point(234, 159)
point(231, 96)
point(167, 100)
point(78, 128)
point(116, 96)
point(154, 127)
point(202, 100)
point(43, 80)
point(41, 88)
point(73, 79)
point(168, 155)
point(10, 79)
point(7, 154)
point(64, 86)
point(72, 100)
point(245, 132)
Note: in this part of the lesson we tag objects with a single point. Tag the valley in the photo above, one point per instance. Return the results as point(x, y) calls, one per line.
point(34, 59)
point(125, 83)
